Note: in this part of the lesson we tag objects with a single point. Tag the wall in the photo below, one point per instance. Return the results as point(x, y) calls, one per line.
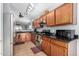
point(1, 29)
point(78, 29)
point(7, 31)
point(39, 9)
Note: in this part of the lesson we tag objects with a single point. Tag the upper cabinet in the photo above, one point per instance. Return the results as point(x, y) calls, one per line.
point(44, 18)
point(64, 14)
point(51, 18)
point(36, 23)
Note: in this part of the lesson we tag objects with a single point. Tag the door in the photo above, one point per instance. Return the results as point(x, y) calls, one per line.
point(51, 19)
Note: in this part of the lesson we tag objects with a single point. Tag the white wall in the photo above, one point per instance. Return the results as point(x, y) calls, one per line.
point(6, 31)
point(1, 29)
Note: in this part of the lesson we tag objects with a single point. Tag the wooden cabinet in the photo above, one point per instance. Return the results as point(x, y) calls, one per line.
point(58, 48)
point(46, 45)
point(33, 37)
point(64, 17)
point(60, 16)
point(23, 37)
point(20, 37)
point(36, 23)
point(44, 18)
point(67, 15)
point(53, 47)
point(51, 19)
point(28, 36)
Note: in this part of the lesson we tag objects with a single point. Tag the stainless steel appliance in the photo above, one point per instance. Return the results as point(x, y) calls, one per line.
point(68, 34)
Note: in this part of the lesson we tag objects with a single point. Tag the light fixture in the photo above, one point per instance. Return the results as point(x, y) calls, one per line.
point(20, 15)
point(28, 10)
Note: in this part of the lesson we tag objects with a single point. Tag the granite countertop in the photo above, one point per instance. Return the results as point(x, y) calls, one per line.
point(23, 31)
point(60, 39)
point(56, 38)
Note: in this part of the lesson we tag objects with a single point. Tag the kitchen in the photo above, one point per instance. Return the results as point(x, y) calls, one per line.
point(40, 29)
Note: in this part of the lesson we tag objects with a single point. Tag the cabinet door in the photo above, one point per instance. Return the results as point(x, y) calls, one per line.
point(37, 23)
point(58, 16)
point(58, 50)
point(23, 36)
point(28, 36)
point(34, 24)
point(43, 45)
point(44, 18)
point(67, 15)
point(33, 37)
point(51, 19)
point(64, 17)
point(46, 46)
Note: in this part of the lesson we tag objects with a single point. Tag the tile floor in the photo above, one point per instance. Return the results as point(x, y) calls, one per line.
point(25, 50)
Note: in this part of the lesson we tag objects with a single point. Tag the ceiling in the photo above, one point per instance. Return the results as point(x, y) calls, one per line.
point(36, 12)
point(38, 9)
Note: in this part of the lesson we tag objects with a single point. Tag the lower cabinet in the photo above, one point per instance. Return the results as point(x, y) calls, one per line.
point(54, 48)
point(58, 50)
point(46, 45)
point(20, 37)
point(28, 36)
point(33, 37)
point(23, 37)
